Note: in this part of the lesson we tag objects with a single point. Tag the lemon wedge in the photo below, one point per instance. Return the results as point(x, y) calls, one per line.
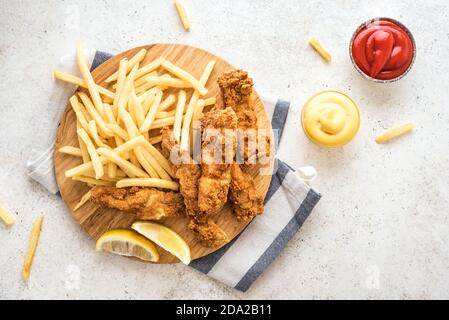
point(127, 243)
point(166, 238)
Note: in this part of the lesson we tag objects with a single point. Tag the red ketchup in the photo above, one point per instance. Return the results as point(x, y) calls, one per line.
point(383, 50)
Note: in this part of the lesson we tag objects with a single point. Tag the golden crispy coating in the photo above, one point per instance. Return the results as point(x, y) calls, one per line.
point(146, 203)
point(218, 149)
point(236, 88)
point(208, 233)
point(247, 202)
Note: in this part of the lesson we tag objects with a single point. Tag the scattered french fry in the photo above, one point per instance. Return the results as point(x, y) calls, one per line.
point(73, 151)
point(6, 216)
point(148, 182)
point(137, 58)
point(182, 15)
point(318, 47)
point(395, 132)
point(83, 200)
point(34, 240)
point(59, 75)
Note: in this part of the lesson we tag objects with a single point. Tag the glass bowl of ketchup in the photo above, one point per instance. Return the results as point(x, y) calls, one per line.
point(382, 50)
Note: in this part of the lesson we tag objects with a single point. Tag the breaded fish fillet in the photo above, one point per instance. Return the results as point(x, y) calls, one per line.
point(146, 203)
point(208, 232)
point(217, 152)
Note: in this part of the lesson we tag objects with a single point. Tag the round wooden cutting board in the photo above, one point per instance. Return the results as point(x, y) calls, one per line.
point(96, 220)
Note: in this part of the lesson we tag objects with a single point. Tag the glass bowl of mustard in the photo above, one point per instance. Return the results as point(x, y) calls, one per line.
point(330, 118)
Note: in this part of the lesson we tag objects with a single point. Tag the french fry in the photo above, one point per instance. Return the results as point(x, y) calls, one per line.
point(83, 200)
point(79, 114)
point(96, 162)
point(7, 218)
point(118, 131)
point(184, 75)
point(165, 114)
point(195, 121)
point(72, 151)
point(59, 75)
point(146, 105)
point(210, 101)
point(123, 66)
point(91, 85)
point(92, 181)
point(34, 240)
point(112, 167)
point(178, 115)
point(94, 134)
point(167, 82)
point(185, 132)
point(182, 15)
point(168, 102)
point(148, 182)
point(137, 58)
point(318, 47)
point(160, 123)
point(122, 149)
point(148, 68)
point(127, 87)
point(91, 174)
point(163, 162)
point(155, 139)
point(151, 113)
point(127, 166)
point(95, 115)
point(141, 158)
point(395, 132)
point(83, 147)
point(137, 109)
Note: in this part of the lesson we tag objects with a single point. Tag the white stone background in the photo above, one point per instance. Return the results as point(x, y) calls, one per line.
point(381, 228)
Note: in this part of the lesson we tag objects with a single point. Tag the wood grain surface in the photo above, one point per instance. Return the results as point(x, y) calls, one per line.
point(95, 220)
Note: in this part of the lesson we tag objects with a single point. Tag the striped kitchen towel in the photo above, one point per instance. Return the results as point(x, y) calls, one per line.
point(288, 203)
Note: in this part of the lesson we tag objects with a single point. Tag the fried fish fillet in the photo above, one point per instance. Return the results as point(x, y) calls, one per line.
point(217, 152)
point(146, 203)
point(207, 231)
point(247, 202)
point(236, 88)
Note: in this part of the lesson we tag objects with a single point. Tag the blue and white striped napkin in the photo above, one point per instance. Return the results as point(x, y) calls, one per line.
point(288, 203)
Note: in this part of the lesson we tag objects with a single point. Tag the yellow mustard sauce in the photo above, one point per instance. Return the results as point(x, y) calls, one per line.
point(330, 118)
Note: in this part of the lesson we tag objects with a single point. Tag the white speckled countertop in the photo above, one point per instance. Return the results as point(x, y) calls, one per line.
point(381, 228)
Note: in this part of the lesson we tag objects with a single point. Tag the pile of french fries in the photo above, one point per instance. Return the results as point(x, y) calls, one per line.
point(118, 125)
